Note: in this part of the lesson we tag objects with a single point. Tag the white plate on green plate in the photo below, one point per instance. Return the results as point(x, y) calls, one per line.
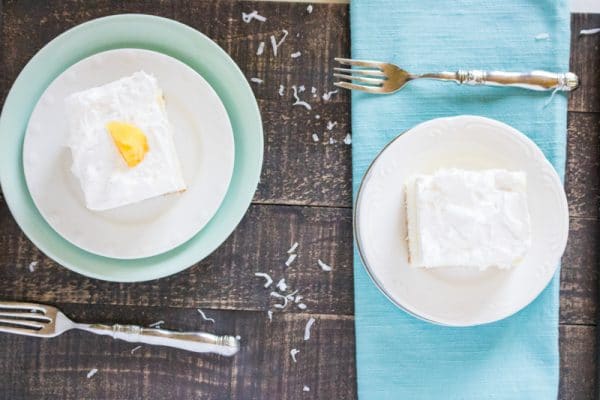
point(458, 296)
point(144, 32)
point(204, 143)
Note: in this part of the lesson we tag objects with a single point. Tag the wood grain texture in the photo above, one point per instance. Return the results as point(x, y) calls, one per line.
point(264, 369)
point(225, 280)
point(578, 349)
point(585, 62)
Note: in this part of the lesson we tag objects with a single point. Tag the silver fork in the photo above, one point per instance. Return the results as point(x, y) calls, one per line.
point(385, 78)
point(46, 321)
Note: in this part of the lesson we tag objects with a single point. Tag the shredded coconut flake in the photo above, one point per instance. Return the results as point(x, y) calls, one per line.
point(238, 337)
point(327, 96)
point(332, 140)
point(309, 325)
point(306, 389)
point(290, 296)
point(204, 317)
point(293, 248)
point(253, 15)
point(256, 80)
point(302, 306)
point(296, 54)
point(298, 102)
point(324, 266)
point(261, 48)
point(331, 125)
point(135, 349)
point(315, 137)
point(290, 259)
point(348, 139)
point(293, 353)
point(309, 10)
point(592, 31)
point(281, 285)
point(298, 298)
point(92, 372)
point(32, 266)
point(317, 116)
point(279, 296)
point(270, 315)
point(266, 276)
point(157, 324)
point(542, 36)
point(275, 45)
point(313, 90)
point(301, 88)
point(281, 89)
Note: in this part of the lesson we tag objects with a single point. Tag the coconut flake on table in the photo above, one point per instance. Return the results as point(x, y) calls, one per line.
point(348, 139)
point(305, 388)
point(261, 48)
point(256, 80)
point(298, 298)
point(301, 88)
point(204, 317)
point(32, 266)
point(275, 45)
point(293, 248)
point(293, 353)
point(309, 325)
point(156, 324)
point(317, 116)
point(324, 266)
point(281, 89)
point(331, 125)
point(135, 349)
point(298, 102)
point(309, 8)
point(290, 259)
point(301, 306)
point(332, 141)
point(315, 137)
point(280, 296)
point(281, 285)
point(270, 315)
point(592, 31)
point(92, 372)
point(296, 54)
point(327, 96)
point(542, 36)
point(253, 15)
point(290, 296)
point(266, 276)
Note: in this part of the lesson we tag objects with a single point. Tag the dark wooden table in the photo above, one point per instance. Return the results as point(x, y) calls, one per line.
point(304, 196)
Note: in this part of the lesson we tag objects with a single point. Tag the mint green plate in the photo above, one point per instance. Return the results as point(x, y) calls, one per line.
point(152, 33)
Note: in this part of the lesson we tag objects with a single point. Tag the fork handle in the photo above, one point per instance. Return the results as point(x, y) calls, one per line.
point(534, 80)
point(197, 342)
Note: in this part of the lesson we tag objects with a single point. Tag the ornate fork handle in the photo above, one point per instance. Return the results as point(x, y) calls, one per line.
point(192, 341)
point(534, 80)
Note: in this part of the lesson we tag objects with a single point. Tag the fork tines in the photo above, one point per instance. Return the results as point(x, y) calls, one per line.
point(22, 317)
point(368, 73)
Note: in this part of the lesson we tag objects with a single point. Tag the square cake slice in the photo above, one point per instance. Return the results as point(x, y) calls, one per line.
point(468, 218)
point(121, 142)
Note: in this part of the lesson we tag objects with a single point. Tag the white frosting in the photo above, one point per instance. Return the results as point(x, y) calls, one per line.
point(106, 180)
point(468, 218)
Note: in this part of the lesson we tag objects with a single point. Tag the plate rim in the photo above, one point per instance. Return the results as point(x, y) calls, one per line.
point(373, 277)
point(15, 99)
point(154, 53)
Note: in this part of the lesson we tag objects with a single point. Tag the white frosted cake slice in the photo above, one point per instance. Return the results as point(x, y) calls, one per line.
point(468, 218)
point(122, 143)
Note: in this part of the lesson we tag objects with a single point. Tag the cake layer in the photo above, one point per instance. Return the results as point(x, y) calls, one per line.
point(468, 218)
point(106, 178)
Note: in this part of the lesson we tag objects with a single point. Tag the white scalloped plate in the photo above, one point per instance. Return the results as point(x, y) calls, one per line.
point(203, 138)
point(458, 296)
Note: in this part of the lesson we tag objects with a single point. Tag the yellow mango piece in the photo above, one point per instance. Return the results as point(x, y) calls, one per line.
point(130, 140)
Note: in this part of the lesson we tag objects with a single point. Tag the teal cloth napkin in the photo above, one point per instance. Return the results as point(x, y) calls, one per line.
point(399, 356)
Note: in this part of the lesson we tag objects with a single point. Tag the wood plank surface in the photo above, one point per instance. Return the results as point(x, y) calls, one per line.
point(304, 196)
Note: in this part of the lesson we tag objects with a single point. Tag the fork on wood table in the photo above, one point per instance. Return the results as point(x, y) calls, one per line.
point(385, 78)
point(46, 321)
